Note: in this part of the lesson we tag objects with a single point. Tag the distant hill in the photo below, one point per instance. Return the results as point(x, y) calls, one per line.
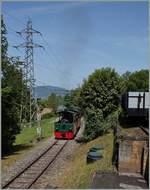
point(45, 91)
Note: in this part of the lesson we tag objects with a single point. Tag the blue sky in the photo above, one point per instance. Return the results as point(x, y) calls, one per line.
point(81, 37)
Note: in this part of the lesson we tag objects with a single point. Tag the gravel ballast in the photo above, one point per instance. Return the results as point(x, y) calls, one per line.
point(50, 177)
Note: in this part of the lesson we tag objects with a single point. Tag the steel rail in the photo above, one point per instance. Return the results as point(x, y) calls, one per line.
point(47, 165)
point(28, 166)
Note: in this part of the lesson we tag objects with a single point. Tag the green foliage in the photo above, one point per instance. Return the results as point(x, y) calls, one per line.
point(96, 125)
point(102, 90)
point(136, 81)
point(73, 99)
point(28, 135)
point(99, 98)
point(4, 43)
point(68, 100)
point(94, 119)
point(11, 94)
point(53, 102)
point(48, 115)
point(42, 103)
point(111, 120)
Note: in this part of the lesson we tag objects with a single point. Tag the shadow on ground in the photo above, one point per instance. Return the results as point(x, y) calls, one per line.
point(15, 150)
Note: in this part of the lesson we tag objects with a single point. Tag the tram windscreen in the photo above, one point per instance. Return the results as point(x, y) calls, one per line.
point(66, 117)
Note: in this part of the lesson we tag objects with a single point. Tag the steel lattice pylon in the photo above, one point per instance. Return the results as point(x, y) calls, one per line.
point(28, 89)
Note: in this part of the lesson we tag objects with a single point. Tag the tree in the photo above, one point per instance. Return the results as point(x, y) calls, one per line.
point(54, 101)
point(11, 93)
point(72, 99)
point(137, 81)
point(100, 97)
point(4, 43)
point(42, 103)
point(68, 100)
point(103, 90)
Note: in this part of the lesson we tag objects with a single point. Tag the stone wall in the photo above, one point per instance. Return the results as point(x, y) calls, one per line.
point(133, 155)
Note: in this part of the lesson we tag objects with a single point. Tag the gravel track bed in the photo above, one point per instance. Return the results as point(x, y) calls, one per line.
point(20, 164)
point(50, 178)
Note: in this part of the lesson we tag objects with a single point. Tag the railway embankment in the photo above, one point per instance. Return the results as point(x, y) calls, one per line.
point(19, 172)
point(55, 166)
point(130, 157)
point(26, 142)
point(70, 168)
point(78, 174)
point(27, 158)
point(56, 172)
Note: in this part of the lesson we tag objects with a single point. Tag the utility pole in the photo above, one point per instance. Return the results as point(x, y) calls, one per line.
point(28, 93)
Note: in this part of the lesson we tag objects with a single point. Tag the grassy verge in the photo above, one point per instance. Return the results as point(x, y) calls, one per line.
point(78, 174)
point(28, 135)
point(25, 141)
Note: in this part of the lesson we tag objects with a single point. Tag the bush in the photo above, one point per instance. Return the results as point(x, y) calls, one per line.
point(99, 125)
point(48, 115)
point(93, 122)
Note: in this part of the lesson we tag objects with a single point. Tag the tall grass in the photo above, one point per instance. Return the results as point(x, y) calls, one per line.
point(28, 135)
point(78, 174)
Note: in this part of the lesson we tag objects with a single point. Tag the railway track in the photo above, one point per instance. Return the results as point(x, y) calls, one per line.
point(32, 172)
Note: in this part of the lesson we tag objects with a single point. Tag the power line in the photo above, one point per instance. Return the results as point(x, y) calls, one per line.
point(10, 45)
point(15, 18)
point(19, 33)
point(14, 32)
point(53, 56)
point(58, 69)
point(47, 52)
point(51, 66)
point(51, 50)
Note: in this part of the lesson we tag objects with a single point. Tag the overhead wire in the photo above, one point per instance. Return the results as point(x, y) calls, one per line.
point(46, 67)
point(52, 56)
point(58, 68)
point(13, 33)
point(12, 16)
point(20, 21)
point(22, 36)
point(51, 50)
